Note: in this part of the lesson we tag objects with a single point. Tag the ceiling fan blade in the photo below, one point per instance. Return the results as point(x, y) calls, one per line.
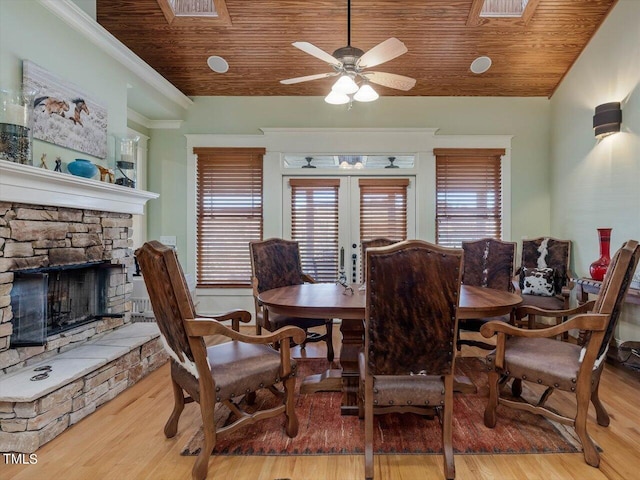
point(383, 52)
point(311, 49)
point(392, 80)
point(290, 81)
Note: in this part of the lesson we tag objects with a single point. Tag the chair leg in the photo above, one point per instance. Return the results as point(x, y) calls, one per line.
point(492, 403)
point(201, 466)
point(258, 329)
point(447, 434)
point(171, 427)
point(368, 428)
point(329, 340)
point(290, 413)
point(591, 455)
point(601, 413)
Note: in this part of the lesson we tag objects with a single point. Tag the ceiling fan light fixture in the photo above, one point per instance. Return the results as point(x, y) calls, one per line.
point(335, 98)
point(345, 85)
point(366, 93)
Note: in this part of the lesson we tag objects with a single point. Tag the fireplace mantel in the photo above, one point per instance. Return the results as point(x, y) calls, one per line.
point(38, 186)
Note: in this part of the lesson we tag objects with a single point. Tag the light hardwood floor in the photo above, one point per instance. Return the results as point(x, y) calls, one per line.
point(124, 440)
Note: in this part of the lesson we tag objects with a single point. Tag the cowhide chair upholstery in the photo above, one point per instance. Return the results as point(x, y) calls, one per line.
point(374, 242)
point(488, 263)
point(407, 365)
point(535, 356)
point(276, 263)
point(221, 374)
point(545, 277)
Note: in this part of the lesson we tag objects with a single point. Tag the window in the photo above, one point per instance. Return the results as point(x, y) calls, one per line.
point(229, 214)
point(468, 195)
point(383, 208)
point(314, 225)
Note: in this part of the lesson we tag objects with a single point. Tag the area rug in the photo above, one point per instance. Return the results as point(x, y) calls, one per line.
point(324, 431)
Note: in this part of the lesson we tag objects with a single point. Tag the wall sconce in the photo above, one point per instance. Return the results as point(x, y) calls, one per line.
point(607, 119)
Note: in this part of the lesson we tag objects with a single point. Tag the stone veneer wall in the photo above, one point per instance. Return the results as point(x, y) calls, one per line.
point(43, 236)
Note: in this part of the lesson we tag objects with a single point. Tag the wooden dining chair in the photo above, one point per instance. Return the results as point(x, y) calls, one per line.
point(544, 277)
point(407, 365)
point(222, 374)
point(276, 263)
point(488, 263)
point(374, 242)
point(535, 356)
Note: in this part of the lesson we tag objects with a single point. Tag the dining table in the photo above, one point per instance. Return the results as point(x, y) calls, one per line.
point(347, 303)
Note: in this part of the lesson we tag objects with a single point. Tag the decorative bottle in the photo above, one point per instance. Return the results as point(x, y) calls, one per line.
point(598, 268)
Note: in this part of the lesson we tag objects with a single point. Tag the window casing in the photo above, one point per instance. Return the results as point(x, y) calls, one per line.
point(229, 214)
point(468, 195)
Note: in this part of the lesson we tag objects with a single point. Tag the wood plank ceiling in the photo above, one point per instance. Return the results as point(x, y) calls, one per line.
point(528, 60)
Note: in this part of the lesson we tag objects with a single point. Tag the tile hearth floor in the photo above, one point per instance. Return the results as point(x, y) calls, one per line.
point(73, 364)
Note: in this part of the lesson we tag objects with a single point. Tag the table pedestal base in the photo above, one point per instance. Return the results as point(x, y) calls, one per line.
point(329, 381)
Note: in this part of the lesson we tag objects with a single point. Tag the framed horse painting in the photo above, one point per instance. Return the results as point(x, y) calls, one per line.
point(63, 114)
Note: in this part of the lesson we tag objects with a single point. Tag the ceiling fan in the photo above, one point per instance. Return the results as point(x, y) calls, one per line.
point(350, 63)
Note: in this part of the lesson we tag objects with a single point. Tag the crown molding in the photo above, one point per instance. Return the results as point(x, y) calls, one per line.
point(153, 124)
point(78, 20)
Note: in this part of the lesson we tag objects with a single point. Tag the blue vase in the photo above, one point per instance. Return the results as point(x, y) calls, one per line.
point(82, 168)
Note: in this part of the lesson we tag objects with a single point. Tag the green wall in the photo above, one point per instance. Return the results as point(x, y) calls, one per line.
point(30, 31)
point(596, 184)
point(525, 118)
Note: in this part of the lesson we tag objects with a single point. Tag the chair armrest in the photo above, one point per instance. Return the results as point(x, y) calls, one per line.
point(585, 321)
point(200, 327)
point(522, 312)
point(236, 316)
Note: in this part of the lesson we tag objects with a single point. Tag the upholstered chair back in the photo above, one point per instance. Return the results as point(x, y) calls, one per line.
point(275, 263)
point(547, 252)
point(170, 299)
point(489, 263)
point(412, 295)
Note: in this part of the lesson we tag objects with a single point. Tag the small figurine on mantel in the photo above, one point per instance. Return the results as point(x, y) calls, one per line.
point(106, 174)
point(58, 165)
point(43, 161)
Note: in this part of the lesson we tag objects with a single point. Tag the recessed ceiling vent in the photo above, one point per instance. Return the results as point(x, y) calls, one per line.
point(195, 10)
point(503, 8)
point(501, 12)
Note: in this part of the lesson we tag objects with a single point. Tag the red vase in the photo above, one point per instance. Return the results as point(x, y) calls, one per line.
point(598, 268)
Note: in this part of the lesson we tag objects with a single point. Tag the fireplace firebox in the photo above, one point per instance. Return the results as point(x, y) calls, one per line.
point(52, 300)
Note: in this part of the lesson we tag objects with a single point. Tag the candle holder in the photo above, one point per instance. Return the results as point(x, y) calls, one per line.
point(16, 125)
point(126, 161)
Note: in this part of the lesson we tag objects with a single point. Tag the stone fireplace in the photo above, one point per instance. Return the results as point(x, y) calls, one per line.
point(67, 343)
point(39, 241)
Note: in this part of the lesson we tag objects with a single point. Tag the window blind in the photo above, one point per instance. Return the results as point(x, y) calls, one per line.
point(383, 208)
point(314, 225)
point(468, 195)
point(229, 210)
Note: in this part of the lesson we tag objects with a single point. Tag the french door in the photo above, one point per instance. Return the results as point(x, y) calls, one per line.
point(329, 216)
